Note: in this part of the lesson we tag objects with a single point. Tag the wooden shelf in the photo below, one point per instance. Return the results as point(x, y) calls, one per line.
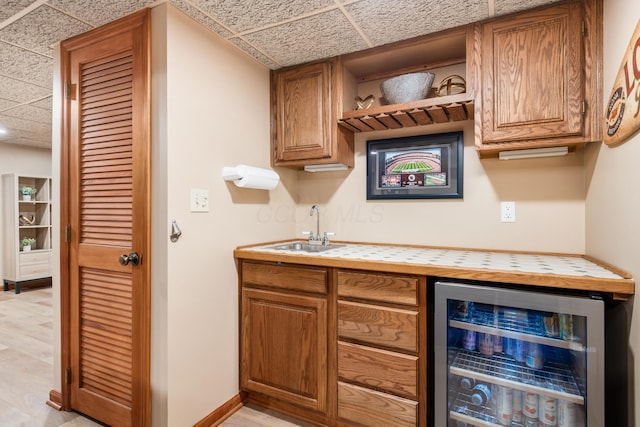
point(444, 109)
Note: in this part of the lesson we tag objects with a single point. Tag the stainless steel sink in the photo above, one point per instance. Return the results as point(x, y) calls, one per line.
point(304, 247)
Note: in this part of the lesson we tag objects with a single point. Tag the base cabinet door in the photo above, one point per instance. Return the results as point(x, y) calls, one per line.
point(284, 347)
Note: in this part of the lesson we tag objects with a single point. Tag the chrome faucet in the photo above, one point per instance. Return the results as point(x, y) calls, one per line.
point(317, 240)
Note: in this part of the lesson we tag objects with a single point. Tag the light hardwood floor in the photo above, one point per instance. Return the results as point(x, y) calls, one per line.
point(26, 369)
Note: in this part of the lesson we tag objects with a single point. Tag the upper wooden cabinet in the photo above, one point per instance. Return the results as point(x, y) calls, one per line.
point(539, 78)
point(305, 109)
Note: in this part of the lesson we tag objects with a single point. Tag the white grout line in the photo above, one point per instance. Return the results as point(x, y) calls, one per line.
point(22, 13)
point(353, 23)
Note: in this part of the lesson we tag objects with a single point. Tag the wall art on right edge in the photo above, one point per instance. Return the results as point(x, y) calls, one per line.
point(415, 167)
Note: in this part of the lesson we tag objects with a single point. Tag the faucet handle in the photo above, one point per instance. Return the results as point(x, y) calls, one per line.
point(308, 233)
point(325, 238)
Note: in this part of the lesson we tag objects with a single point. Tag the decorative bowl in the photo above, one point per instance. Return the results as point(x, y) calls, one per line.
point(407, 87)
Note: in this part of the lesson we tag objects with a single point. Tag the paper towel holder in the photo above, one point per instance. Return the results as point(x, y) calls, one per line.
point(251, 177)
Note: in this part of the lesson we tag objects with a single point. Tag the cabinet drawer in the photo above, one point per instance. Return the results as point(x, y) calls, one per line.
point(39, 270)
point(295, 278)
point(378, 287)
point(371, 367)
point(387, 327)
point(375, 409)
point(27, 258)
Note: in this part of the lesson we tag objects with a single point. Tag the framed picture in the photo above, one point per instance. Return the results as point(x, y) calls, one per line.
point(416, 167)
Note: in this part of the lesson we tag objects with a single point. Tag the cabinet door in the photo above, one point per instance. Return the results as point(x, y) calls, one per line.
point(284, 347)
point(532, 75)
point(303, 112)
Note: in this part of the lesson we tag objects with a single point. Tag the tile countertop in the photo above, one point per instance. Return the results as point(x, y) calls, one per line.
point(538, 269)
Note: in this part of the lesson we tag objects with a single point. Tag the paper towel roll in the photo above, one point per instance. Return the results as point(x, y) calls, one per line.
point(251, 177)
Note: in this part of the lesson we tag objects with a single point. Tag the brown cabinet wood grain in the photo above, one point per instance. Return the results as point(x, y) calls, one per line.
point(382, 326)
point(539, 78)
point(378, 369)
point(305, 108)
point(369, 408)
point(378, 287)
point(284, 347)
point(291, 277)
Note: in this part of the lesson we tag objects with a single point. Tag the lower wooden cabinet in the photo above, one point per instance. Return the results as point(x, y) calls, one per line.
point(283, 333)
point(381, 349)
point(333, 346)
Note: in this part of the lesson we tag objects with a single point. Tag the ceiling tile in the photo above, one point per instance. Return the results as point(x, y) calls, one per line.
point(315, 37)
point(203, 19)
point(27, 141)
point(245, 15)
point(29, 112)
point(413, 18)
point(11, 7)
point(41, 28)
point(98, 12)
point(5, 103)
point(15, 123)
point(254, 52)
point(503, 7)
point(25, 65)
point(21, 92)
point(44, 103)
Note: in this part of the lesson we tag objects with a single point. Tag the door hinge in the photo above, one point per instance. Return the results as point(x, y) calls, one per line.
point(67, 233)
point(584, 28)
point(584, 107)
point(69, 90)
point(68, 376)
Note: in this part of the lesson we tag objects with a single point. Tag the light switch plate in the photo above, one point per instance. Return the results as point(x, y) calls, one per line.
point(199, 200)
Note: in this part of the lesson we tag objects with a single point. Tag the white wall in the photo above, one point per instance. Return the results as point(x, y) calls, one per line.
point(613, 192)
point(211, 109)
point(25, 161)
point(549, 195)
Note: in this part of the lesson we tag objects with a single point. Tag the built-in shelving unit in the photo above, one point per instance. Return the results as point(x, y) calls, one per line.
point(446, 53)
point(26, 216)
point(451, 108)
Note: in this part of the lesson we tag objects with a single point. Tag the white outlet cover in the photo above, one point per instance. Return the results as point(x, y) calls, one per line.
point(199, 200)
point(508, 211)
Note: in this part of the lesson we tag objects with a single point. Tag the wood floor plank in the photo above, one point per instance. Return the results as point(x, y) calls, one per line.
point(26, 369)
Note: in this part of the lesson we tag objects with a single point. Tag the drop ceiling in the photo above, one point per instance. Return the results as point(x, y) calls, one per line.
point(276, 33)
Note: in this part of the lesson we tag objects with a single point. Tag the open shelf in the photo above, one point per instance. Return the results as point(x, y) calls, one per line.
point(450, 108)
point(554, 380)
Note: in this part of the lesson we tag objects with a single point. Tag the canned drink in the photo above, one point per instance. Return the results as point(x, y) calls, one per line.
point(520, 353)
point(518, 416)
point(566, 414)
point(498, 346)
point(467, 383)
point(551, 325)
point(481, 395)
point(464, 309)
point(535, 355)
point(485, 344)
point(531, 405)
point(547, 411)
point(469, 340)
point(504, 405)
point(566, 327)
point(509, 345)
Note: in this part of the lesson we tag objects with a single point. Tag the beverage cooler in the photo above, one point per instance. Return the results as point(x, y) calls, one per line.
point(508, 357)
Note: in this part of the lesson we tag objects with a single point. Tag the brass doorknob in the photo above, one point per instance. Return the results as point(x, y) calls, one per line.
point(132, 258)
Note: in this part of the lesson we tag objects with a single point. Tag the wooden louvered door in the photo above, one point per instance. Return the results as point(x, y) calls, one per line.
point(107, 201)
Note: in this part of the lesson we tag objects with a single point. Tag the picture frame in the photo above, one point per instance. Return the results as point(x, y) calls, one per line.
point(416, 167)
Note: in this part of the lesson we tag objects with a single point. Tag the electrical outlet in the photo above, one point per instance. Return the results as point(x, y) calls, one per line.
point(508, 211)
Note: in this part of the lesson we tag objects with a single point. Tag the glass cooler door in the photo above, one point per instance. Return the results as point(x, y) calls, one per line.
point(514, 358)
